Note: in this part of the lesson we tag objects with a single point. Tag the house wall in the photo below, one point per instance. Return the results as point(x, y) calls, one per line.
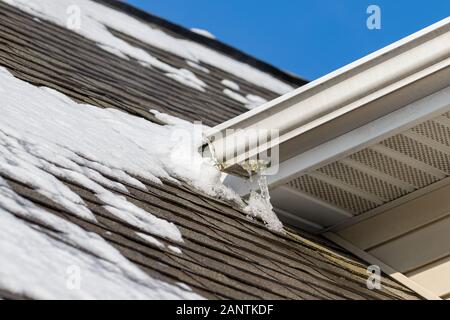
point(413, 238)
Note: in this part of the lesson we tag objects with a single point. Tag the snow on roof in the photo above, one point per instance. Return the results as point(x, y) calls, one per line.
point(45, 137)
point(250, 101)
point(203, 32)
point(69, 262)
point(231, 84)
point(235, 96)
point(254, 101)
point(95, 19)
point(197, 66)
point(150, 239)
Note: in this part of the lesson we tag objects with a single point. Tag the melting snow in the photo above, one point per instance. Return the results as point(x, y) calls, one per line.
point(230, 84)
point(259, 207)
point(44, 137)
point(67, 262)
point(184, 286)
point(174, 249)
point(40, 139)
point(197, 66)
point(235, 96)
point(158, 243)
point(254, 101)
point(184, 80)
point(203, 32)
point(150, 239)
point(95, 18)
point(250, 101)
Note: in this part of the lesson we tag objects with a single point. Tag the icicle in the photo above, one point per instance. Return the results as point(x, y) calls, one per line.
point(258, 204)
point(212, 153)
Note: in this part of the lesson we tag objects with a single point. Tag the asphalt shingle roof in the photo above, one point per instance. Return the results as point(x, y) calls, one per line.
point(225, 255)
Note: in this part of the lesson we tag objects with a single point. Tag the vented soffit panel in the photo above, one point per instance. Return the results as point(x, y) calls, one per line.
point(367, 135)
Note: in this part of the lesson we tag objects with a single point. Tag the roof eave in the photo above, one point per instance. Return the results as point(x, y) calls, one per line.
point(344, 100)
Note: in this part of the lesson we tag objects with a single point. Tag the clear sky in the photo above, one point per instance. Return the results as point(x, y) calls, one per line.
point(310, 38)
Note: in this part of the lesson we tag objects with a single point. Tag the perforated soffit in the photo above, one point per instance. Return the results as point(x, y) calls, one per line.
point(391, 169)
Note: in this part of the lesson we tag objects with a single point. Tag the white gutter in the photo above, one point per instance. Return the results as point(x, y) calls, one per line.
point(346, 99)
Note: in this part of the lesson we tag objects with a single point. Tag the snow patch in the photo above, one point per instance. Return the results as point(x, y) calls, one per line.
point(175, 249)
point(197, 66)
point(45, 137)
point(250, 101)
point(67, 262)
point(182, 79)
point(203, 32)
point(235, 96)
point(41, 142)
point(150, 239)
point(254, 101)
point(184, 286)
point(95, 18)
point(158, 243)
point(230, 84)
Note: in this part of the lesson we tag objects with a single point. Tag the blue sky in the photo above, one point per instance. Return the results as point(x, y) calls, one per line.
point(310, 38)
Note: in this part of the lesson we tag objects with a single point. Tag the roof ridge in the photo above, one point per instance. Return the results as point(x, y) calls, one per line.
point(214, 44)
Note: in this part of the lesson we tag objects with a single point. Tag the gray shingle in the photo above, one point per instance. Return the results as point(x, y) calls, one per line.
point(225, 255)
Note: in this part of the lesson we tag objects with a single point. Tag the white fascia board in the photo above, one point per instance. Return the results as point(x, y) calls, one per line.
point(344, 100)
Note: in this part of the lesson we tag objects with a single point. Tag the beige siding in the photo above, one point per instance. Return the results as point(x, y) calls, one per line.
point(413, 238)
point(417, 248)
point(435, 276)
